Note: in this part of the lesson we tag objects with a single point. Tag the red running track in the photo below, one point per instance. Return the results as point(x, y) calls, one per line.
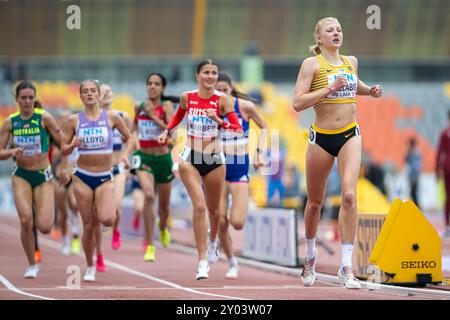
point(171, 277)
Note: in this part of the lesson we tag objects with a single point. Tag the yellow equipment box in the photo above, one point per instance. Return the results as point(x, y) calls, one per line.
point(408, 250)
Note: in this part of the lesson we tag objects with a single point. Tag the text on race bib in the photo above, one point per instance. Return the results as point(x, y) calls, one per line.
point(31, 145)
point(201, 126)
point(148, 130)
point(349, 91)
point(93, 138)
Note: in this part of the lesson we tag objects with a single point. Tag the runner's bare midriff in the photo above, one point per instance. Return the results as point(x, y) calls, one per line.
point(156, 150)
point(95, 162)
point(204, 146)
point(33, 163)
point(335, 116)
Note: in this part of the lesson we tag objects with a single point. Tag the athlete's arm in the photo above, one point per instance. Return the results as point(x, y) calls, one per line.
point(127, 119)
point(175, 121)
point(49, 124)
point(128, 123)
point(179, 115)
point(149, 108)
point(69, 141)
point(5, 133)
point(169, 110)
point(250, 111)
point(127, 137)
point(227, 108)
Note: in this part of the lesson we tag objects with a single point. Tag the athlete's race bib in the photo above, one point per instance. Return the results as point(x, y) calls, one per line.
point(93, 138)
point(200, 126)
point(31, 145)
point(349, 91)
point(148, 130)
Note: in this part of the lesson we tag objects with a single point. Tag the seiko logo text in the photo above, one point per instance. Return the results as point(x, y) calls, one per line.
point(418, 264)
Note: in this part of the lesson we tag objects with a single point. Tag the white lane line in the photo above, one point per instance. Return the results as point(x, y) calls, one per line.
point(167, 283)
point(54, 245)
point(11, 287)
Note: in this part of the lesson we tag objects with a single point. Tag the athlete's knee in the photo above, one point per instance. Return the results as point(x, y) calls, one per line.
point(214, 212)
point(314, 207)
point(237, 223)
point(199, 208)
point(107, 221)
point(44, 228)
point(149, 196)
point(26, 223)
point(44, 225)
point(349, 199)
point(88, 226)
point(223, 223)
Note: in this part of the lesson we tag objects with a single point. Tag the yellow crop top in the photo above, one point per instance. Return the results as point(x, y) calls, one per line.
point(326, 76)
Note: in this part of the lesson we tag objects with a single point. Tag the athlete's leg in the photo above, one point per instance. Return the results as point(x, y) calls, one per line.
point(138, 205)
point(74, 219)
point(224, 235)
point(349, 163)
point(164, 190)
point(318, 167)
point(43, 196)
point(104, 207)
point(61, 209)
point(23, 198)
point(147, 182)
point(119, 191)
point(238, 215)
point(98, 235)
point(239, 208)
point(193, 183)
point(84, 196)
point(105, 213)
point(214, 183)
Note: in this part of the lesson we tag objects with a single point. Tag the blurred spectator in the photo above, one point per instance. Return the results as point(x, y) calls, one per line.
point(443, 172)
point(275, 180)
point(292, 197)
point(291, 181)
point(374, 173)
point(413, 161)
point(396, 182)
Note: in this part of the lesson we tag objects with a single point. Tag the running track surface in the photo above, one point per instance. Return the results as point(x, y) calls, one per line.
point(171, 277)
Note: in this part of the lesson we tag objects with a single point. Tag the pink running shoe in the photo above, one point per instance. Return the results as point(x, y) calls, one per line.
point(115, 243)
point(136, 222)
point(100, 264)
